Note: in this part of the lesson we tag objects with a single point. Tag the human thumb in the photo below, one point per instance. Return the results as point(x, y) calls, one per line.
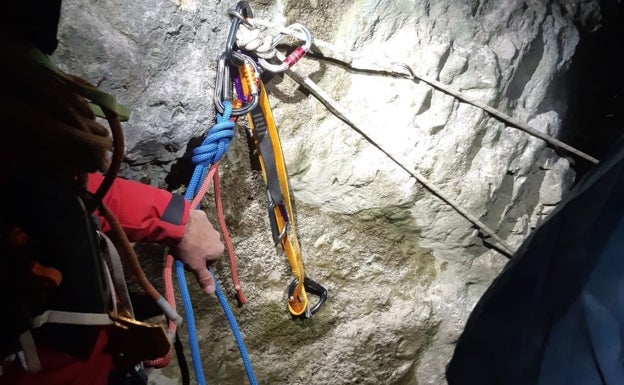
point(205, 280)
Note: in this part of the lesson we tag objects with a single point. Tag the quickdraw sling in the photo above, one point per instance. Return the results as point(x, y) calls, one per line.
point(236, 69)
point(280, 207)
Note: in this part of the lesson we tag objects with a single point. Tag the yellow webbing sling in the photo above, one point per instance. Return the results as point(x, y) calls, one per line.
point(281, 213)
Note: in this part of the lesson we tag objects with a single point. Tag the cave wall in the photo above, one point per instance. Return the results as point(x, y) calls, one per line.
point(403, 268)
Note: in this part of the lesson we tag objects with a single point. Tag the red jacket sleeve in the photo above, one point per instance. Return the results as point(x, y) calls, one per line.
point(146, 213)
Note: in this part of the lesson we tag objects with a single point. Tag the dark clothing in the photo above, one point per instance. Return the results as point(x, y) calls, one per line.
point(35, 21)
point(76, 354)
point(555, 315)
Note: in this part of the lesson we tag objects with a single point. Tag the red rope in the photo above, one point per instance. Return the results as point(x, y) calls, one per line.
point(240, 297)
point(170, 297)
point(213, 176)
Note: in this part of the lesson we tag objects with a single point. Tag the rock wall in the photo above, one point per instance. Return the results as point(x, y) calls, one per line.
point(403, 269)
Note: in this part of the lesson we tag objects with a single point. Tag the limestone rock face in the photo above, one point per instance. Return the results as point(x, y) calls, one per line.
point(403, 268)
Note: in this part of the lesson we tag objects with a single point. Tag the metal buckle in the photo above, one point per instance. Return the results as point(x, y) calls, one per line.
point(134, 341)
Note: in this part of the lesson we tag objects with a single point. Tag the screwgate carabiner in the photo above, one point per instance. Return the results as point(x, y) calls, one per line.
point(294, 56)
point(223, 81)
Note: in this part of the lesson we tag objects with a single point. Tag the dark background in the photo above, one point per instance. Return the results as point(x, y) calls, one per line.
point(595, 121)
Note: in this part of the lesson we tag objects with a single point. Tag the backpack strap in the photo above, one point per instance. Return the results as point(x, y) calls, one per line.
point(71, 318)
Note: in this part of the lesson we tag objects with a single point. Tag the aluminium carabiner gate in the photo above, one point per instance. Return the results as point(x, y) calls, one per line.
point(239, 15)
point(294, 56)
point(230, 57)
point(223, 83)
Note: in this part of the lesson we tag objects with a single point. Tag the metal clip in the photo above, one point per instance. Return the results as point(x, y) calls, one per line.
point(311, 287)
point(278, 236)
point(294, 56)
point(282, 235)
point(223, 82)
point(238, 16)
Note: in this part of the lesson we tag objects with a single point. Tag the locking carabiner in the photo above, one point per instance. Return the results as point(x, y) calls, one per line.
point(294, 56)
point(230, 57)
point(223, 82)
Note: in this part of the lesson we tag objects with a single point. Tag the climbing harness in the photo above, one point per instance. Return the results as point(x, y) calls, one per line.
point(249, 39)
point(72, 123)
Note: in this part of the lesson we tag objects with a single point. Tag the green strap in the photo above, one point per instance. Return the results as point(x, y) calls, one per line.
point(97, 97)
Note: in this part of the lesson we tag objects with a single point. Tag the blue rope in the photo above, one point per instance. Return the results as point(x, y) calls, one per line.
point(211, 151)
point(190, 324)
point(237, 334)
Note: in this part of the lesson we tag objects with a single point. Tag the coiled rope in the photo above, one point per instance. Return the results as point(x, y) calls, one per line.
point(206, 158)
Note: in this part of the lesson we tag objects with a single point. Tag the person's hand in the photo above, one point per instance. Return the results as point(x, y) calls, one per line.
point(199, 248)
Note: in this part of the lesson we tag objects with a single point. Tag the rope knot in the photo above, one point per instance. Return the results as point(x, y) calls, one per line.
point(217, 141)
point(250, 40)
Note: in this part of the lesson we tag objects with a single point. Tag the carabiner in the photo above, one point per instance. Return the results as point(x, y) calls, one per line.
point(294, 56)
point(310, 287)
point(238, 15)
point(223, 83)
point(222, 89)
